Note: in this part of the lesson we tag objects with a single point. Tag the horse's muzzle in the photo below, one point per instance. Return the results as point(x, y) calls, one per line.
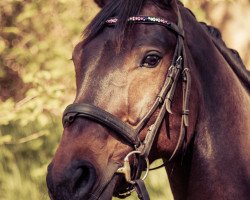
point(75, 182)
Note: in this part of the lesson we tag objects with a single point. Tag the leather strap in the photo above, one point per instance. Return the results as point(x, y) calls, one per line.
point(124, 131)
point(141, 190)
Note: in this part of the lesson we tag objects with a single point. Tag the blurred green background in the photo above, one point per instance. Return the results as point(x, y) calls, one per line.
point(37, 82)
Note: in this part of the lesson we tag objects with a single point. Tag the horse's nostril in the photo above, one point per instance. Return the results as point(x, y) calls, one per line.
point(83, 179)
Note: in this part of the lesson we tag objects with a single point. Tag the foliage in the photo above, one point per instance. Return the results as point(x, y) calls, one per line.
point(36, 41)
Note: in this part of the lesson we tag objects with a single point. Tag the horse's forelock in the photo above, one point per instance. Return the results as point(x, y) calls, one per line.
point(122, 9)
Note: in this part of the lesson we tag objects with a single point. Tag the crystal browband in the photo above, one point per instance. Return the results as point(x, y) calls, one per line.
point(148, 20)
point(139, 19)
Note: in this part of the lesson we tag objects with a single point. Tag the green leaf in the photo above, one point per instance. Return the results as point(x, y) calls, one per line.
point(5, 139)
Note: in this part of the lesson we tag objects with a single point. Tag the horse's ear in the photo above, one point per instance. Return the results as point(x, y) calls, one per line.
point(101, 3)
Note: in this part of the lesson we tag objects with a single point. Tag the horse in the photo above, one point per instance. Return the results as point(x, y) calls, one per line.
point(154, 83)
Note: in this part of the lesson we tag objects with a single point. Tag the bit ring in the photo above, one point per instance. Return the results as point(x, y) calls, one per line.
point(126, 169)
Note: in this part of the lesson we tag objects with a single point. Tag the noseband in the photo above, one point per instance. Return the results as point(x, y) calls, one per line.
point(163, 102)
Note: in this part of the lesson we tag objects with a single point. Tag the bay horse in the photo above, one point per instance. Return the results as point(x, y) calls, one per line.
point(152, 83)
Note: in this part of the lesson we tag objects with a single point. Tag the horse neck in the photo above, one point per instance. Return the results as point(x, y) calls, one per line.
point(217, 167)
point(221, 160)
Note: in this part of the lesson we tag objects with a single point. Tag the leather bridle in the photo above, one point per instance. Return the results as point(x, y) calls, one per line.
point(129, 135)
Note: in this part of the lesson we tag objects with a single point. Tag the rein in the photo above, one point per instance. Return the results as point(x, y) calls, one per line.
point(177, 70)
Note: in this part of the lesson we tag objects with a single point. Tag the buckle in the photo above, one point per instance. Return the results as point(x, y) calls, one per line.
point(178, 62)
point(126, 169)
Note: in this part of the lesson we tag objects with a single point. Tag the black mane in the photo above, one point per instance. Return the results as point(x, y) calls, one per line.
point(216, 34)
point(231, 55)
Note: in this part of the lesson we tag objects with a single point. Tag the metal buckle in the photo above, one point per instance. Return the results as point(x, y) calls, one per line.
point(126, 169)
point(178, 62)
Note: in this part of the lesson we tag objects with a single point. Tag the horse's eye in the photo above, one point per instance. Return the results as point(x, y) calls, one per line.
point(151, 61)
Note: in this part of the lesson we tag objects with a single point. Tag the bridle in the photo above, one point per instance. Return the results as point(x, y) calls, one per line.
point(163, 102)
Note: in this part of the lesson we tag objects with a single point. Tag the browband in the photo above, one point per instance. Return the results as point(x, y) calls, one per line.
point(149, 20)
